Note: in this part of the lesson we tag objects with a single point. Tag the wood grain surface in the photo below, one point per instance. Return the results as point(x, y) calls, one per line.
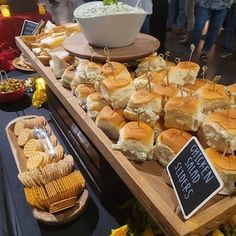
point(145, 180)
point(143, 45)
point(43, 216)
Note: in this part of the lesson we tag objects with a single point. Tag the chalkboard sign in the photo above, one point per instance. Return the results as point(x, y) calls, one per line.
point(193, 178)
point(28, 27)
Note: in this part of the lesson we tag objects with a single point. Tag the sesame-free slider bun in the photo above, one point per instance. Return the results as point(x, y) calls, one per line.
point(82, 91)
point(136, 141)
point(117, 91)
point(183, 113)
point(212, 98)
point(219, 130)
point(192, 88)
point(110, 121)
point(154, 77)
point(178, 76)
point(225, 167)
point(87, 72)
point(167, 91)
point(95, 103)
point(168, 144)
point(115, 69)
point(145, 103)
point(68, 76)
point(150, 63)
point(192, 67)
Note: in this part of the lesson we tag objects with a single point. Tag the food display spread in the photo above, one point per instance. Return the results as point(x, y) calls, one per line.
point(151, 112)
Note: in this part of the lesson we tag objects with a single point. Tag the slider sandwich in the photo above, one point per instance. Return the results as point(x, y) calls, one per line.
point(115, 69)
point(68, 76)
point(167, 91)
point(82, 91)
point(183, 113)
point(136, 141)
point(219, 130)
point(150, 63)
point(178, 76)
point(117, 90)
point(110, 121)
point(192, 70)
point(95, 103)
point(225, 165)
point(158, 128)
point(58, 66)
point(86, 72)
point(153, 77)
point(168, 145)
point(212, 97)
point(145, 106)
point(192, 88)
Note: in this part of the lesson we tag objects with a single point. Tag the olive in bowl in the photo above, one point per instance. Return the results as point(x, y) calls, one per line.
point(11, 90)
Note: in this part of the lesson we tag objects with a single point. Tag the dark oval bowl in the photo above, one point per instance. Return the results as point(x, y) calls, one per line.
point(12, 96)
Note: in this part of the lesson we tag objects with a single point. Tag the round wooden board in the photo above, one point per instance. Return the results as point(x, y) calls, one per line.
point(64, 216)
point(143, 45)
point(14, 63)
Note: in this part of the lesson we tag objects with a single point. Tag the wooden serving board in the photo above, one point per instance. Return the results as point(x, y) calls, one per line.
point(145, 179)
point(143, 45)
point(43, 216)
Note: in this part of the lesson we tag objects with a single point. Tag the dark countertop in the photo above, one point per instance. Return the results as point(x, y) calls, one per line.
point(16, 218)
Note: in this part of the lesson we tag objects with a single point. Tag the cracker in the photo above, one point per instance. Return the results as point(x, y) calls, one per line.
point(19, 127)
point(34, 162)
point(24, 136)
point(31, 146)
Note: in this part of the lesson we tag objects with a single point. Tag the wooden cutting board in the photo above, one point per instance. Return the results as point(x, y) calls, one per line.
point(143, 46)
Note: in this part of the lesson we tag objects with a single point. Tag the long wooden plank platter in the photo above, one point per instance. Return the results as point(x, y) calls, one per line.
point(43, 216)
point(144, 180)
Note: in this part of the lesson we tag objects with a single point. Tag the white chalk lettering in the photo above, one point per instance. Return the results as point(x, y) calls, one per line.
point(187, 196)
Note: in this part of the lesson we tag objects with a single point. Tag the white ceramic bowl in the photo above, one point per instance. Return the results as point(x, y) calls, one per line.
point(112, 31)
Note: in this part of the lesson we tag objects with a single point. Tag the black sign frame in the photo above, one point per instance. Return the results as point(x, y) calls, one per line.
point(200, 195)
point(26, 24)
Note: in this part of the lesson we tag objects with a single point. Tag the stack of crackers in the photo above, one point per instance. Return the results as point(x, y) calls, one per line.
point(50, 182)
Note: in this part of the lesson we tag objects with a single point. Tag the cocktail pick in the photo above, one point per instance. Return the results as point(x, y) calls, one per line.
point(167, 76)
point(192, 48)
point(215, 80)
point(177, 60)
point(92, 51)
point(149, 78)
point(181, 90)
point(167, 54)
point(226, 149)
point(139, 113)
point(204, 70)
point(107, 54)
point(163, 65)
